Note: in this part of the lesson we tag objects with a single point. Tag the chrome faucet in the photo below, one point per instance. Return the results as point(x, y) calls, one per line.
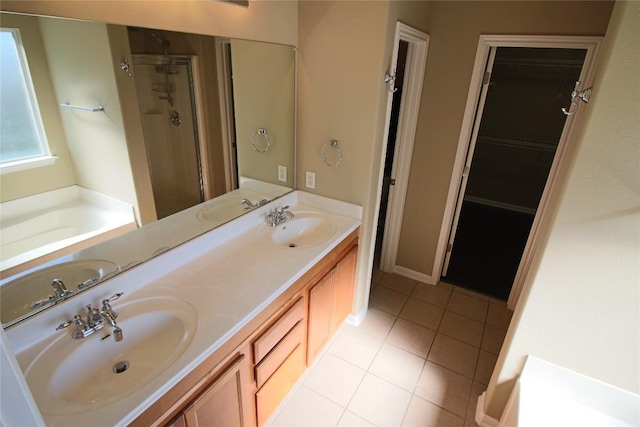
point(94, 319)
point(278, 216)
point(60, 289)
point(60, 292)
point(248, 206)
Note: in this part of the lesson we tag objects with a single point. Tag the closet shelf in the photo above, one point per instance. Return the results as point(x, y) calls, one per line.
point(517, 143)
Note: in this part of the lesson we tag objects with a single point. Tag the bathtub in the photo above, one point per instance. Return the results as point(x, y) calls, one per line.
point(46, 226)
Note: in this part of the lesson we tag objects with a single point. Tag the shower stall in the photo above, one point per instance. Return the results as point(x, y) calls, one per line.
point(168, 109)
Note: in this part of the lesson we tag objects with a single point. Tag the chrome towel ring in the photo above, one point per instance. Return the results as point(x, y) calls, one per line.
point(261, 132)
point(333, 144)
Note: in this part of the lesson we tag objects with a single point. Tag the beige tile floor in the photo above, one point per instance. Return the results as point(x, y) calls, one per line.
point(421, 357)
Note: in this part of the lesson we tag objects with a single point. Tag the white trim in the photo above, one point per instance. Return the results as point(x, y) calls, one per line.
point(407, 123)
point(25, 164)
point(486, 42)
point(358, 318)
point(415, 275)
point(43, 142)
point(481, 418)
point(226, 119)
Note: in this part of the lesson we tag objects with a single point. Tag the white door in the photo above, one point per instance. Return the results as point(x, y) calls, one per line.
point(415, 64)
point(469, 158)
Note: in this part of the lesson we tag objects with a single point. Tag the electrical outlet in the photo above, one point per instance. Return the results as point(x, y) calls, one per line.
point(311, 180)
point(282, 173)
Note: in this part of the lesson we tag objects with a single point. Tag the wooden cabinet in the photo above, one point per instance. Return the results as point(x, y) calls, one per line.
point(223, 403)
point(330, 302)
point(244, 381)
point(345, 276)
point(320, 308)
point(278, 354)
point(278, 386)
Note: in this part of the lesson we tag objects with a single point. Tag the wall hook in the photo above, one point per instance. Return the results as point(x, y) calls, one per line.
point(583, 95)
point(390, 81)
point(124, 66)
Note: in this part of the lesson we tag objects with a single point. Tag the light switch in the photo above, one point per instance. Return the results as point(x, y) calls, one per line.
point(282, 173)
point(311, 180)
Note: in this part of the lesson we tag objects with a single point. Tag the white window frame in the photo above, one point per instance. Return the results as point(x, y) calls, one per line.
point(45, 158)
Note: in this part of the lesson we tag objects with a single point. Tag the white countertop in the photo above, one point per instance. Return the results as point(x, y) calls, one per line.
point(228, 275)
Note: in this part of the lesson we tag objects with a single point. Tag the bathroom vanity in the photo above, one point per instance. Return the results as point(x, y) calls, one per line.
point(215, 332)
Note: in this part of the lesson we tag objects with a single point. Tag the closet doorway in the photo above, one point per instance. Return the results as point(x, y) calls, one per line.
point(512, 155)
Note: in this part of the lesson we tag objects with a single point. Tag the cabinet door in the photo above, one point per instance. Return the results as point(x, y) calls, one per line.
point(222, 403)
point(345, 281)
point(320, 313)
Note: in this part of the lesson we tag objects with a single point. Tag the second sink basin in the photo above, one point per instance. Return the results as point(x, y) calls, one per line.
point(18, 297)
point(222, 210)
point(306, 229)
point(70, 376)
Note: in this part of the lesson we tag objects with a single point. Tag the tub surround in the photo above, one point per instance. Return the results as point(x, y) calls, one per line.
point(227, 275)
point(550, 395)
point(49, 225)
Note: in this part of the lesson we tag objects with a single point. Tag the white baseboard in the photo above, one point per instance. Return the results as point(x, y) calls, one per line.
point(358, 318)
point(481, 418)
point(411, 274)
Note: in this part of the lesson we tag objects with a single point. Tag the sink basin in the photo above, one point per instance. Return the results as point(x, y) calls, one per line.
point(17, 296)
point(306, 229)
point(222, 210)
point(70, 376)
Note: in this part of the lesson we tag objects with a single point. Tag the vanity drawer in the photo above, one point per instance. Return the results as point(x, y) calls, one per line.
point(279, 354)
point(272, 336)
point(276, 388)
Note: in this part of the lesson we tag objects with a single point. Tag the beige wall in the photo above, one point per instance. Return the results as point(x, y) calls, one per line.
point(61, 174)
point(344, 49)
point(455, 27)
point(273, 21)
point(581, 309)
point(80, 62)
point(263, 94)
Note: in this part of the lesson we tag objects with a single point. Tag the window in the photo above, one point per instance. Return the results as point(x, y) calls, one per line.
point(22, 139)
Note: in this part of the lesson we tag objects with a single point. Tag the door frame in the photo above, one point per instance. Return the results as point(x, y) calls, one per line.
point(225, 98)
point(560, 161)
point(407, 122)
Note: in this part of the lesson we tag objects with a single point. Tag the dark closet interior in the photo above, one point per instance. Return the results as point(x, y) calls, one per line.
point(518, 136)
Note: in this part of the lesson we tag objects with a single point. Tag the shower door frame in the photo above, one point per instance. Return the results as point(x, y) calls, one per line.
point(474, 106)
point(202, 152)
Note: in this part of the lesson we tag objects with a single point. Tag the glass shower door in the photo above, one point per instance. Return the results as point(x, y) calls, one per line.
point(167, 107)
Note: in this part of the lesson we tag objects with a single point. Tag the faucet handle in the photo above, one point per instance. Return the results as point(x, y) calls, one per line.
point(113, 297)
point(106, 307)
point(281, 209)
point(77, 320)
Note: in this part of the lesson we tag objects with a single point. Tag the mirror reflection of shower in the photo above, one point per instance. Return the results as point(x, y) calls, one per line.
point(167, 101)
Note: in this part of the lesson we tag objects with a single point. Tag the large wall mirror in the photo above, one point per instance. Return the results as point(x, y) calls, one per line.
point(151, 138)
